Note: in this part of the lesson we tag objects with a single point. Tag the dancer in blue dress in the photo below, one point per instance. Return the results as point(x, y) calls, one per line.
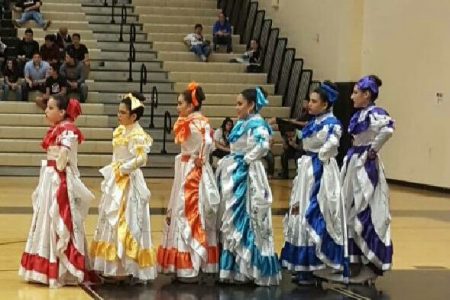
point(246, 218)
point(364, 187)
point(314, 227)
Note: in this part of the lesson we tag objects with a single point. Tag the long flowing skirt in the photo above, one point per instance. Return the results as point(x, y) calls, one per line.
point(122, 243)
point(189, 242)
point(366, 194)
point(246, 223)
point(315, 232)
point(55, 251)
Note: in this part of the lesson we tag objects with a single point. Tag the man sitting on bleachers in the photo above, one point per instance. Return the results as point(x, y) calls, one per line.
point(54, 85)
point(36, 73)
point(222, 33)
point(31, 11)
point(63, 39)
point(73, 71)
point(50, 51)
point(26, 48)
point(197, 43)
point(80, 52)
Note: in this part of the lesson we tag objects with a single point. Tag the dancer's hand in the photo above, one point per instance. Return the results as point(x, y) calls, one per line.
point(168, 218)
point(198, 162)
point(372, 154)
point(295, 210)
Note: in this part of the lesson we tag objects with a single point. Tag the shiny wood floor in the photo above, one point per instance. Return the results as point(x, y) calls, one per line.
point(421, 230)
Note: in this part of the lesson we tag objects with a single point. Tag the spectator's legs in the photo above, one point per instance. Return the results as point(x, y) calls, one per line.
point(83, 90)
point(270, 163)
point(25, 90)
point(18, 92)
point(37, 17)
point(198, 50)
point(206, 50)
point(228, 41)
point(215, 42)
point(26, 16)
point(5, 89)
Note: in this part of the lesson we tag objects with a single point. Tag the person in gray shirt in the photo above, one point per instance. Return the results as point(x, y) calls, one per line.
point(36, 73)
point(73, 71)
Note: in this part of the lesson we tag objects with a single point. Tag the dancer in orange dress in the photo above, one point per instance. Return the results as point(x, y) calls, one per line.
point(189, 243)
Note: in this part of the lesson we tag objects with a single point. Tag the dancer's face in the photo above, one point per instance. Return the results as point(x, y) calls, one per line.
point(243, 107)
point(53, 114)
point(184, 108)
point(360, 98)
point(316, 106)
point(124, 115)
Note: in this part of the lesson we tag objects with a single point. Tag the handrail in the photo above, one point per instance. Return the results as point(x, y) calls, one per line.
point(154, 104)
point(105, 3)
point(131, 52)
point(123, 20)
point(143, 78)
point(113, 6)
point(167, 129)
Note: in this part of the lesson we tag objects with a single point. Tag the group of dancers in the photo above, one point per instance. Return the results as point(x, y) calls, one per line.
point(217, 222)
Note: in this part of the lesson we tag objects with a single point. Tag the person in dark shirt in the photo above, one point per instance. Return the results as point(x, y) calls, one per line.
point(11, 75)
point(26, 48)
point(31, 11)
point(80, 52)
point(50, 51)
point(222, 33)
point(73, 71)
point(54, 85)
point(292, 149)
point(63, 39)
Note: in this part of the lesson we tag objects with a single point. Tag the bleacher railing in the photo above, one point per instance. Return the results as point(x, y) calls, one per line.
point(286, 72)
point(123, 21)
point(166, 130)
point(131, 52)
point(154, 104)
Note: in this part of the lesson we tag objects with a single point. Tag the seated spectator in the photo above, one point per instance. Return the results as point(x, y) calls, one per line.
point(36, 73)
point(26, 48)
point(222, 33)
point(292, 149)
point(80, 52)
point(251, 58)
point(54, 85)
point(63, 39)
point(2, 47)
point(50, 51)
point(197, 43)
point(73, 71)
point(222, 146)
point(11, 80)
point(270, 161)
point(31, 11)
point(299, 123)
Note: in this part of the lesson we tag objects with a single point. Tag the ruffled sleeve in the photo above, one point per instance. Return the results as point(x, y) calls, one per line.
point(331, 145)
point(258, 141)
point(383, 124)
point(139, 146)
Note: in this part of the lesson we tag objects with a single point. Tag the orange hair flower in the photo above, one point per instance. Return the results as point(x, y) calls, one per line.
point(192, 87)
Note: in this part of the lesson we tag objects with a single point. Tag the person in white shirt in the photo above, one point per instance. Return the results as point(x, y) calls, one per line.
point(197, 43)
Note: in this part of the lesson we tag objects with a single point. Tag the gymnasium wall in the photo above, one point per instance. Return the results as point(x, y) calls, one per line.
point(405, 42)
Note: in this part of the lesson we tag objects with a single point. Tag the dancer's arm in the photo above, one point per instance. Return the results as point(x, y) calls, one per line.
point(139, 146)
point(68, 138)
point(259, 140)
point(385, 124)
point(331, 145)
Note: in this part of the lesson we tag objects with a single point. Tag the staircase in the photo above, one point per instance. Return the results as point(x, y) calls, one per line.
point(160, 28)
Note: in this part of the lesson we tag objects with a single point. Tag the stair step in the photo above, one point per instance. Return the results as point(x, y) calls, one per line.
point(177, 11)
point(61, 7)
point(177, 3)
point(178, 37)
point(191, 57)
point(106, 18)
point(224, 88)
point(40, 34)
point(126, 86)
point(181, 19)
point(100, 121)
point(195, 66)
point(124, 65)
point(123, 56)
point(213, 77)
point(174, 28)
point(123, 76)
point(124, 46)
point(180, 46)
point(114, 28)
point(107, 36)
point(97, 9)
